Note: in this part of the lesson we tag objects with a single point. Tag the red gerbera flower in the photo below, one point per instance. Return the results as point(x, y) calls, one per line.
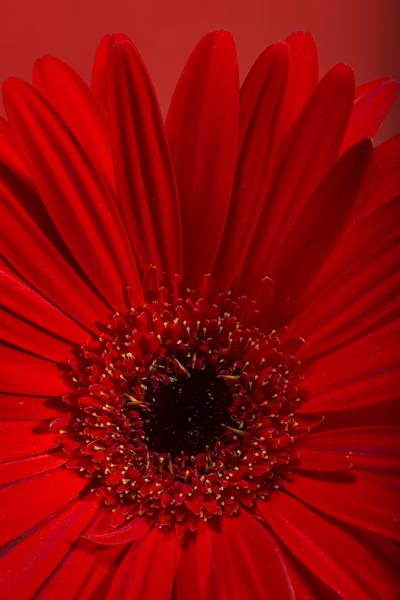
point(200, 331)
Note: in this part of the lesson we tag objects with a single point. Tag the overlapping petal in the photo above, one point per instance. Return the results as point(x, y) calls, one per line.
point(341, 381)
point(340, 559)
point(261, 100)
point(317, 228)
point(372, 103)
point(72, 192)
point(308, 152)
point(147, 570)
point(202, 128)
point(249, 546)
point(44, 548)
point(65, 90)
point(148, 198)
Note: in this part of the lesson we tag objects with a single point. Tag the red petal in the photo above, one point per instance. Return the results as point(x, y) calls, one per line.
point(10, 154)
point(321, 459)
point(26, 246)
point(29, 407)
point(375, 448)
point(303, 75)
point(365, 502)
point(334, 555)
point(28, 562)
point(318, 226)
point(269, 73)
point(100, 79)
point(145, 178)
point(47, 493)
point(66, 91)
point(257, 563)
point(24, 301)
point(214, 571)
point(305, 584)
point(40, 377)
point(17, 332)
point(86, 570)
point(304, 158)
point(79, 205)
point(260, 112)
point(186, 583)
point(370, 110)
point(370, 289)
point(383, 181)
point(147, 571)
point(23, 438)
point(33, 465)
point(382, 414)
point(81, 573)
point(134, 530)
point(358, 244)
point(362, 373)
point(202, 129)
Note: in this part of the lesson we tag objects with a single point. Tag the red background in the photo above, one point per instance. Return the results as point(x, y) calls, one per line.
point(363, 33)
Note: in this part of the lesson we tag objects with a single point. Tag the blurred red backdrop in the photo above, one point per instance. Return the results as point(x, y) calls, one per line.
point(363, 33)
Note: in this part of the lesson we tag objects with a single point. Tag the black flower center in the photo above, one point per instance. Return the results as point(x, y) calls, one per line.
point(186, 414)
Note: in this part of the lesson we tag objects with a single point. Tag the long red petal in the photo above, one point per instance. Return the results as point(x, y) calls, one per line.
point(305, 584)
point(303, 76)
point(202, 129)
point(147, 571)
point(186, 581)
point(65, 90)
point(146, 183)
point(259, 130)
point(213, 567)
point(257, 562)
point(100, 79)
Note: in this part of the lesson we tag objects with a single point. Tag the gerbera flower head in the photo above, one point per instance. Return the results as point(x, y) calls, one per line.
point(200, 331)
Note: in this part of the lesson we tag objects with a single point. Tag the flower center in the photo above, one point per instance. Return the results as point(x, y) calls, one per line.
point(183, 409)
point(187, 414)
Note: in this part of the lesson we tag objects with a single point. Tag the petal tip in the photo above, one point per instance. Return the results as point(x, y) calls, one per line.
point(220, 38)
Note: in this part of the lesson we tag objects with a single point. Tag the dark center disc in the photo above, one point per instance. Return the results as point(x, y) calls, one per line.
point(186, 414)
